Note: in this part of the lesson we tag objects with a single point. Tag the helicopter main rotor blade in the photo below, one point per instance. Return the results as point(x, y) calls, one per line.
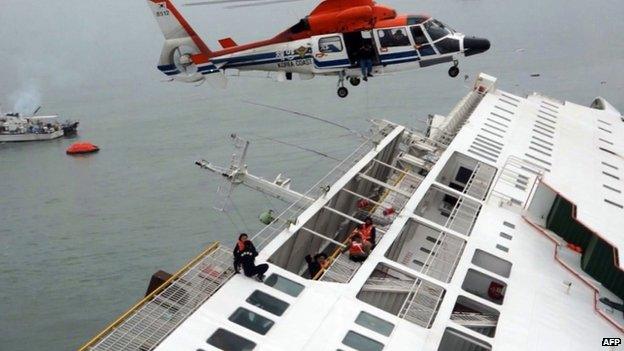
point(215, 2)
point(270, 2)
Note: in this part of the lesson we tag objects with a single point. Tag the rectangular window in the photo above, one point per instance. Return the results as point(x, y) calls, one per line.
point(361, 342)
point(491, 263)
point(330, 44)
point(284, 285)
point(374, 323)
point(267, 302)
point(393, 37)
point(225, 340)
point(418, 35)
point(251, 320)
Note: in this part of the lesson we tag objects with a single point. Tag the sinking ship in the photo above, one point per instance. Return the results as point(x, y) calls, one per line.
point(498, 228)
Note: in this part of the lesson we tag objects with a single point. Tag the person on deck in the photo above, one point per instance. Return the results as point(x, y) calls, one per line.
point(244, 255)
point(368, 232)
point(319, 263)
point(358, 249)
point(366, 55)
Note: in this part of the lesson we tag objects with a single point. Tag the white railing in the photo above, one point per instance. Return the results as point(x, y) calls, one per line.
point(456, 118)
point(516, 182)
point(480, 181)
point(463, 216)
point(422, 302)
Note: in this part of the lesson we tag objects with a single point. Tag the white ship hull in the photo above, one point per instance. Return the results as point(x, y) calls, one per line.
point(30, 136)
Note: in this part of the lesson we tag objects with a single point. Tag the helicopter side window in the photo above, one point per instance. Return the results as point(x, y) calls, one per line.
point(330, 44)
point(436, 29)
point(418, 35)
point(393, 37)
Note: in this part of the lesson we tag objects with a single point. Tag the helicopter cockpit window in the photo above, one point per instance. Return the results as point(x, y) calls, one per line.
point(436, 29)
point(393, 37)
point(418, 35)
point(330, 44)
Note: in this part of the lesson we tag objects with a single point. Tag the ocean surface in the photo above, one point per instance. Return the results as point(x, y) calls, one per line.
point(80, 236)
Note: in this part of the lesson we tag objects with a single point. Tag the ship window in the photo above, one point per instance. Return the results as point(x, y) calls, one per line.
point(418, 35)
point(361, 343)
point(284, 285)
point(374, 323)
point(226, 340)
point(484, 286)
point(251, 320)
point(330, 44)
point(267, 302)
point(491, 263)
point(455, 340)
point(393, 37)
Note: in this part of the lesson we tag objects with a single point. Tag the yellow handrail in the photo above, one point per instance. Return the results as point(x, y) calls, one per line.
point(211, 248)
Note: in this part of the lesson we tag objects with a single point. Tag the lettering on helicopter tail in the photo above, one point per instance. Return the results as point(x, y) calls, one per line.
point(163, 11)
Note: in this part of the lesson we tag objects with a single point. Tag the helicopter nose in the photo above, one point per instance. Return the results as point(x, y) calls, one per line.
point(473, 45)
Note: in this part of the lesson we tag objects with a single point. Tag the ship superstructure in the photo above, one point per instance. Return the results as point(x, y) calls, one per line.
point(499, 228)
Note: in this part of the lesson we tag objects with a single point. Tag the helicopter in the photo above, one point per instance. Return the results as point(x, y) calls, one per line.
point(325, 43)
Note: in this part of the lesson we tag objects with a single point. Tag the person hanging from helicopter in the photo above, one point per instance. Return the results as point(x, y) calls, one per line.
point(365, 56)
point(244, 256)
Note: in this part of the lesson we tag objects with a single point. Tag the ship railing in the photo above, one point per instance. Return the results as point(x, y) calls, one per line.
point(154, 317)
point(442, 259)
point(292, 212)
point(520, 179)
point(475, 319)
point(479, 181)
point(457, 117)
point(422, 303)
point(463, 216)
point(341, 269)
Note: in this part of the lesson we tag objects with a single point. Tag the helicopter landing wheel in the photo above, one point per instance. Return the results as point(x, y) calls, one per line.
point(355, 81)
point(343, 92)
point(453, 71)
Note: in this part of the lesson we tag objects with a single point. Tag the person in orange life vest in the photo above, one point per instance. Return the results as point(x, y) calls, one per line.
point(368, 232)
point(358, 248)
point(317, 264)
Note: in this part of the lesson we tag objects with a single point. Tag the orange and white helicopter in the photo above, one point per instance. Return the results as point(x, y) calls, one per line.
point(325, 42)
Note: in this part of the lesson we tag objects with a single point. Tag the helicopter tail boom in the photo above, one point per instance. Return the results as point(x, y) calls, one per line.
point(182, 45)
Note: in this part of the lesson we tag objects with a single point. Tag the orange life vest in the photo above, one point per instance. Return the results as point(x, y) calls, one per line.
point(366, 232)
point(356, 248)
